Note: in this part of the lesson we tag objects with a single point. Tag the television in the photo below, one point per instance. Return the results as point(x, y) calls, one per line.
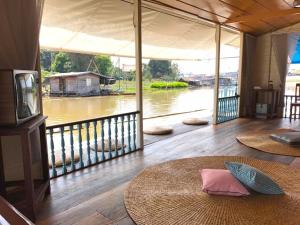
point(19, 96)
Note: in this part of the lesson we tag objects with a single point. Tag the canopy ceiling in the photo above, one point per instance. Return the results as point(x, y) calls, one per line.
point(106, 27)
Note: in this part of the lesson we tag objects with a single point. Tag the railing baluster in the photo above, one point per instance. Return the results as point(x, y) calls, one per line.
point(227, 108)
point(221, 110)
point(285, 106)
point(80, 146)
point(72, 148)
point(236, 107)
point(95, 142)
point(129, 134)
point(288, 100)
point(102, 140)
point(63, 153)
point(231, 107)
point(122, 135)
point(54, 172)
point(134, 131)
point(228, 103)
point(116, 137)
point(109, 139)
point(88, 146)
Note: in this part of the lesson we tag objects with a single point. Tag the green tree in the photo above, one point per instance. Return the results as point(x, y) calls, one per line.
point(159, 68)
point(117, 73)
point(80, 62)
point(130, 75)
point(44, 74)
point(104, 64)
point(174, 74)
point(146, 73)
point(62, 63)
point(46, 58)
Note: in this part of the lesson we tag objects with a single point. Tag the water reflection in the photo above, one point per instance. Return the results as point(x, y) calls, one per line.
point(62, 110)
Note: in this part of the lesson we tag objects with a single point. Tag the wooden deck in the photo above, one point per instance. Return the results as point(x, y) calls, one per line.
point(95, 195)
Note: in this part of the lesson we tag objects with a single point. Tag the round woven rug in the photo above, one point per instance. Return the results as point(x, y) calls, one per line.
point(170, 193)
point(260, 140)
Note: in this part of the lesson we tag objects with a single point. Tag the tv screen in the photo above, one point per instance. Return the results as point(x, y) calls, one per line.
point(27, 95)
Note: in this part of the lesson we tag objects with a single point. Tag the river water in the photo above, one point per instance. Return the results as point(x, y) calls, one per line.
point(157, 102)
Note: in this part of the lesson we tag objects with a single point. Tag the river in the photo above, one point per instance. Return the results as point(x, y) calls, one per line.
point(157, 102)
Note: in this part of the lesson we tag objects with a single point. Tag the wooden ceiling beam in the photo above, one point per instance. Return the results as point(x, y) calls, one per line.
point(261, 16)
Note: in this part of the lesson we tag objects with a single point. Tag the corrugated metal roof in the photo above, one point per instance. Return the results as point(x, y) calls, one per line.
point(76, 74)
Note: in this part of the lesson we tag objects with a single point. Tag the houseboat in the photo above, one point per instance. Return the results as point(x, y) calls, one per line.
point(78, 83)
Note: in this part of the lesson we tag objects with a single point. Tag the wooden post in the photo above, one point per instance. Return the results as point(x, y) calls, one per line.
point(139, 73)
point(240, 76)
point(217, 74)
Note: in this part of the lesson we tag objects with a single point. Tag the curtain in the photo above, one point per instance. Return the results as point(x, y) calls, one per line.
point(248, 59)
point(278, 67)
point(19, 28)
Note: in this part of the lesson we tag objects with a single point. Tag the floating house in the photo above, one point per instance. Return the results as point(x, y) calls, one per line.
point(78, 83)
point(206, 81)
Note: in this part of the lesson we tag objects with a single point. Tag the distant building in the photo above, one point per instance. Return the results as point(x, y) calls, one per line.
point(78, 83)
point(206, 81)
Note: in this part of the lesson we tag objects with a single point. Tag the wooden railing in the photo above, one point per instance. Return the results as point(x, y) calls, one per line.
point(74, 146)
point(9, 215)
point(228, 108)
point(288, 99)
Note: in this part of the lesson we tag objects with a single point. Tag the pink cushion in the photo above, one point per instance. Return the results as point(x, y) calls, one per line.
point(221, 182)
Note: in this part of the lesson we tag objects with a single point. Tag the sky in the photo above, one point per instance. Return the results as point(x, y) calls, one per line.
point(229, 63)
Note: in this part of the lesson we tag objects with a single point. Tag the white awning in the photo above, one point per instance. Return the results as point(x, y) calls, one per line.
point(106, 27)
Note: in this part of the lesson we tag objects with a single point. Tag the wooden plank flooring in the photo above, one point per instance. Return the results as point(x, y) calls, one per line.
point(95, 195)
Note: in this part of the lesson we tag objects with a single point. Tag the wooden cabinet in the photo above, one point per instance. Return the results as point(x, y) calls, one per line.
point(26, 190)
point(265, 103)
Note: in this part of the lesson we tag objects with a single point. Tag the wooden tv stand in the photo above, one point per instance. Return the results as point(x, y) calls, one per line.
point(26, 194)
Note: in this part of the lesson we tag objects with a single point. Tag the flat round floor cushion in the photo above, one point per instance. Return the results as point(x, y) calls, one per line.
point(290, 138)
point(158, 130)
point(194, 121)
point(59, 161)
point(106, 145)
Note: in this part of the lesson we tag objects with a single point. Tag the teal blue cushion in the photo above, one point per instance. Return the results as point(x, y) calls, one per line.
point(254, 178)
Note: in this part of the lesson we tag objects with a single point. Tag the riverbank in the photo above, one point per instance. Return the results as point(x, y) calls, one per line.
point(290, 84)
point(129, 87)
point(168, 85)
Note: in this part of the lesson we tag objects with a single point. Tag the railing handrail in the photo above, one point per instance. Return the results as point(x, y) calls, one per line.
point(11, 214)
point(91, 120)
point(234, 96)
point(291, 95)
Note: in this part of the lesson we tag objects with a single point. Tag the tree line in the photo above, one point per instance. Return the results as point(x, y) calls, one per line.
point(63, 62)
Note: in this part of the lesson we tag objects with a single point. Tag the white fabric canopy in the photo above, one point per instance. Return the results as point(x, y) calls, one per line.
point(106, 27)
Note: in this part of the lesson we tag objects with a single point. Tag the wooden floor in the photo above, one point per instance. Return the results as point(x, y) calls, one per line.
point(95, 195)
